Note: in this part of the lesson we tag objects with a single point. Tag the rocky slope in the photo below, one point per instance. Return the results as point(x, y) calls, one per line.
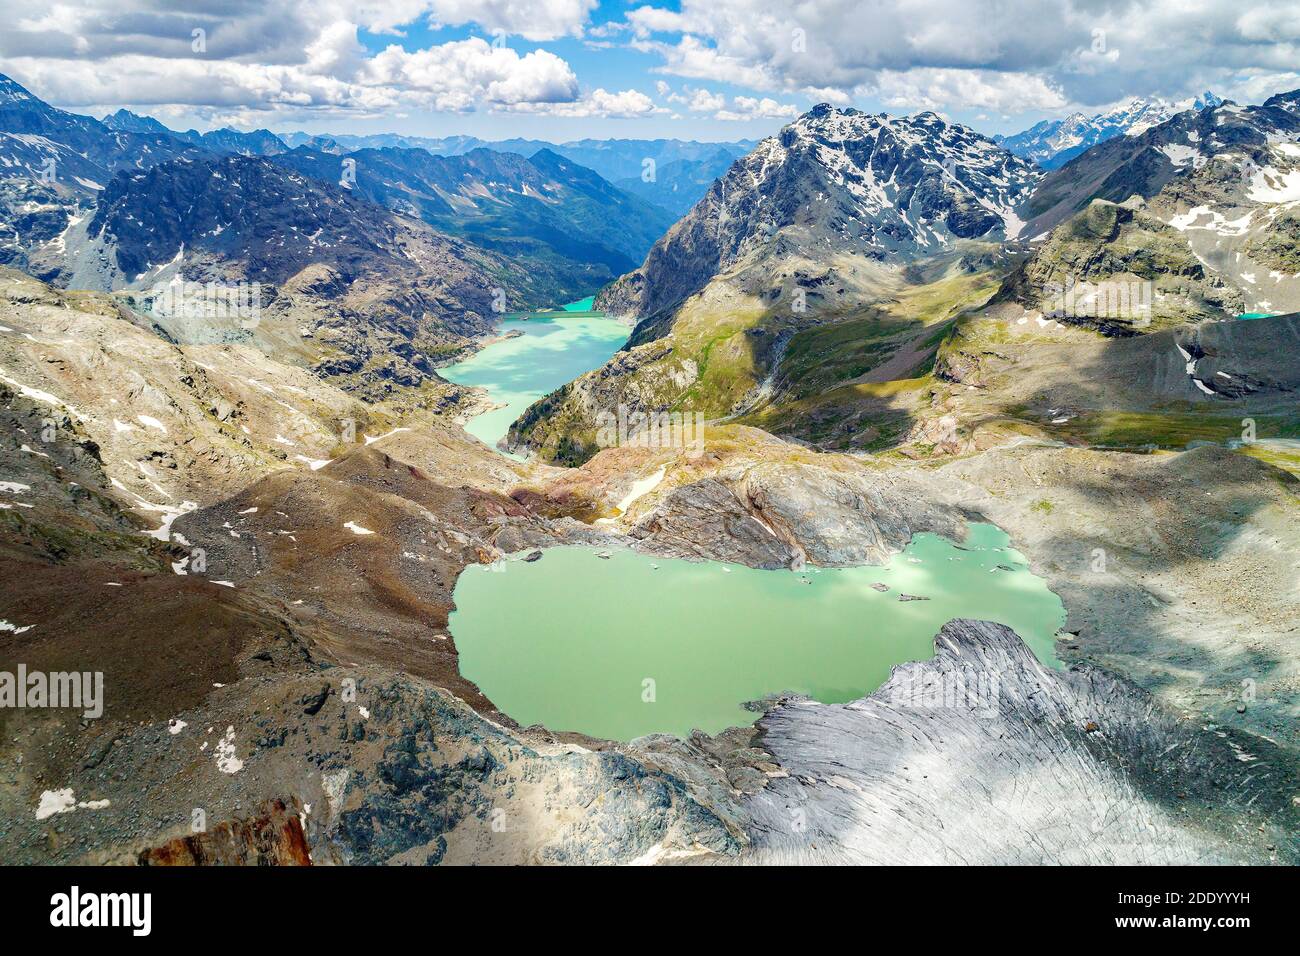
point(1184, 144)
point(287, 708)
point(359, 293)
point(170, 426)
point(1182, 223)
point(1207, 202)
point(575, 231)
point(841, 215)
point(318, 584)
point(981, 733)
point(1122, 270)
point(875, 187)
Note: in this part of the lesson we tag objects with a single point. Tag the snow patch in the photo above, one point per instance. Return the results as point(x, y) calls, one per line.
point(227, 762)
point(64, 801)
point(642, 488)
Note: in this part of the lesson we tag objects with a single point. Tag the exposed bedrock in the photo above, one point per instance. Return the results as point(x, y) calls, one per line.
point(801, 513)
point(983, 756)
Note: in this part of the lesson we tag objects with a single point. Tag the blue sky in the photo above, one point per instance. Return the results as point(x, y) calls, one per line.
point(696, 69)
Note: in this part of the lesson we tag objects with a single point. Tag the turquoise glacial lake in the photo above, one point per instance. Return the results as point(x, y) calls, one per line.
point(571, 640)
point(553, 348)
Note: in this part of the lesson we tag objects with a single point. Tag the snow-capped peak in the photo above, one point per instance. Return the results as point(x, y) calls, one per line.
point(883, 184)
point(1053, 143)
point(11, 92)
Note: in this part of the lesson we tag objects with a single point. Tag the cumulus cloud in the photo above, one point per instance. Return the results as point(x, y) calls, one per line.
point(271, 32)
point(305, 57)
point(1010, 54)
point(938, 89)
point(531, 19)
point(698, 100)
point(463, 75)
point(693, 58)
point(625, 104)
point(695, 100)
point(750, 108)
point(469, 73)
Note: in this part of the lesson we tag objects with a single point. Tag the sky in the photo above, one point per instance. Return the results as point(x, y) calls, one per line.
point(714, 70)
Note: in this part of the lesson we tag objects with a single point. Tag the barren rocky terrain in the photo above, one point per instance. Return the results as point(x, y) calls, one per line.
point(259, 551)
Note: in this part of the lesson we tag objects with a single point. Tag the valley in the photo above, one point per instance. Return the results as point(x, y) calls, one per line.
point(535, 354)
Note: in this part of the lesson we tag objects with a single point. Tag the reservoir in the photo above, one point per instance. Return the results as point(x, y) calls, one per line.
point(631, 644)
point(551, 349)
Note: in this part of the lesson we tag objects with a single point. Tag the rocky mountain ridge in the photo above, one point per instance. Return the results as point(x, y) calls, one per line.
point(886, 190)
point(1214, 193)
point(1053, 143)
point(576, 230)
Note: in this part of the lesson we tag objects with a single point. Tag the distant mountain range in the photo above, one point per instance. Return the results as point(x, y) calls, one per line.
point(562, 218)
point(1053, 143)
point(678, 184)
point(259, 142)
point(491, 193)
point(614, 159)
point(370, 264)
point(669, 173)
point(84, 151)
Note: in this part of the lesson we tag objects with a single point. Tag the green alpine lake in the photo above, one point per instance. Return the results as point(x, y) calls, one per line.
point(550, 349)
point(629, 644)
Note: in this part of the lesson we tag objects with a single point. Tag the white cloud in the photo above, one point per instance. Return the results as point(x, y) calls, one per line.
point(531, 19)
point(699, 100)
point(331, 73)
point(1255, 86)
point(692, 58)
point(934, 89)
point(695, 100)
point(469, 73)
point(1010, 54)
point(266, 30)
point(335, 50)
point(303, 56)
point(750, 108)
point(624, 104)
